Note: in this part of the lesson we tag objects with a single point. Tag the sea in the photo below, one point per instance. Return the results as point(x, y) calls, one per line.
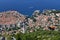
point(27, 7)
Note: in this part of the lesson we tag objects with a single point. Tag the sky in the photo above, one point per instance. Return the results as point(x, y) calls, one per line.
point(27, 7)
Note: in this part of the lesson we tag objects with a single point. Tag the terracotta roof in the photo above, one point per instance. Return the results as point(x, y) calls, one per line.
point(10, 17)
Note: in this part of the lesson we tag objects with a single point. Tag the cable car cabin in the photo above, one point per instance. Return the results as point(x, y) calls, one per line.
point(52, 27)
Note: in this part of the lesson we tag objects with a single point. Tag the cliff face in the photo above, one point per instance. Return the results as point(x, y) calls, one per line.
point(11, 17)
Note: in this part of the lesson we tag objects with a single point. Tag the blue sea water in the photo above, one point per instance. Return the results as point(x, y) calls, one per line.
point(28, 6)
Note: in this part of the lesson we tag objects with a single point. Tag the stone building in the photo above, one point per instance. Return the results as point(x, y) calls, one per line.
point(10, 19)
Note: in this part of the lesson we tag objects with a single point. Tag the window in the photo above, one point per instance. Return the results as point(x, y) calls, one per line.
point(0, 26)
point(1, 15)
